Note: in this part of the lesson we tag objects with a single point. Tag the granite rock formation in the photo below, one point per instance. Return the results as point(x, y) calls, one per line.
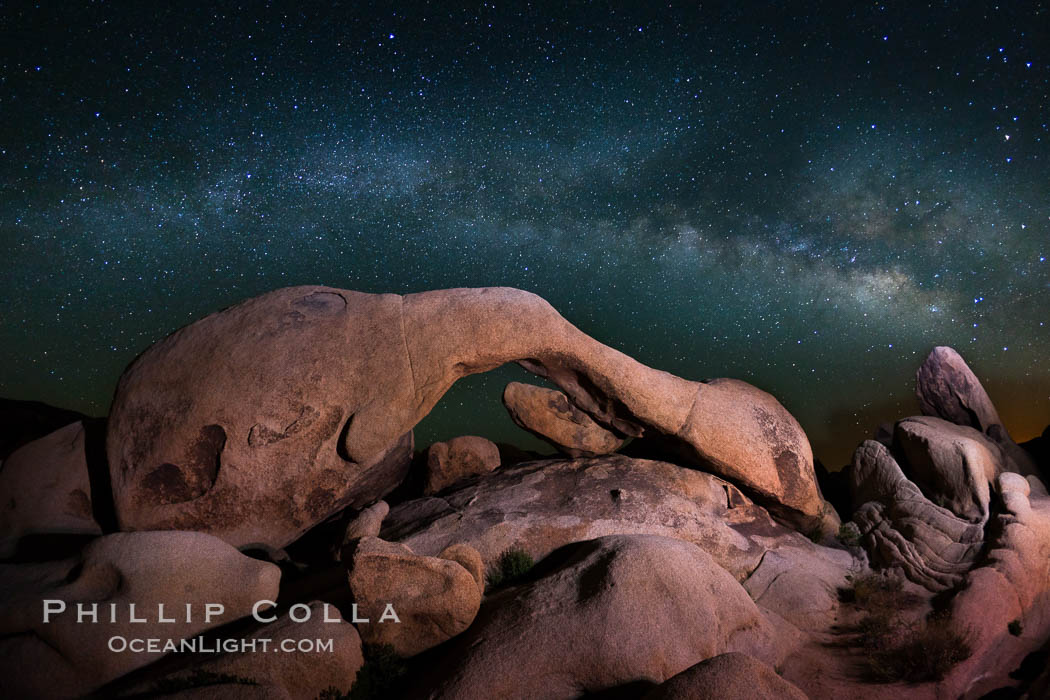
point(216, 427)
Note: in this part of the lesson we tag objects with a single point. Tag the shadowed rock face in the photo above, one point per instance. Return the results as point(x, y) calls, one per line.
point(45, 488)
point(288, 675)
point(217, 427)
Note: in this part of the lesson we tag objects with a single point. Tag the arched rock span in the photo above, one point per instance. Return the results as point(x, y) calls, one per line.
point(316, 390)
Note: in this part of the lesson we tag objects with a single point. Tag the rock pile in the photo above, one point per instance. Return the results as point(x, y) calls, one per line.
point(527, 642)
point(279, 431)
point(923, 502)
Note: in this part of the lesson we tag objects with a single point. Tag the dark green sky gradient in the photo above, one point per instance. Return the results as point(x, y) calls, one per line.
point(809, 198)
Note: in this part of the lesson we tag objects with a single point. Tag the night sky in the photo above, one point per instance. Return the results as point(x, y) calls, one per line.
point(808, 196)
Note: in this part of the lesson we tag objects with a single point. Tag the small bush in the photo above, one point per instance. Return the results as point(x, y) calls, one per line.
point(382, 676)
point(893, 648)
point(872, 591)
point(917, 653)
point(1015, 628)
point(511, 566)
point(849, 534)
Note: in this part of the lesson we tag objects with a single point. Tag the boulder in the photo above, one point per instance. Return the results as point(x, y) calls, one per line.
point(952, 464)
point(459, 458)
point(550, 416)
point(298, 671)
point(540, 506)
point(22, 422)
point(469, 559)
point(433, 599)
point(731, 676)
point(947, 388)
point(217, 427)
point(744, 435)
point(800, 582)
point(367, 523)
point(598, 615)
point(45, 489)
point(902, 528)
point(118, 576)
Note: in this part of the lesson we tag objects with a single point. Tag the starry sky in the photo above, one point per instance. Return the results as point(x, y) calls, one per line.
point(807, 196)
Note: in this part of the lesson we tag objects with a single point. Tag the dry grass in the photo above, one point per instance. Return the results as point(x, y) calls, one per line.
point(918, 652)
point(895, 649)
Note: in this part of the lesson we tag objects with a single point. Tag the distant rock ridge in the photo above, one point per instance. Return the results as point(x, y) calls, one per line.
point(218, 427)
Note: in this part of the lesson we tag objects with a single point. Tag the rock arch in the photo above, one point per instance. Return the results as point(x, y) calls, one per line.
point(317, 390)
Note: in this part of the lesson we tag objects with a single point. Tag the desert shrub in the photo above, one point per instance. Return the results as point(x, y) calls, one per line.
point(511, 566)
point(877, 629)
point(382, 676)
point(872, 591)
point(849, 534)
point(894, 648)
point(1015, 628)
point(917, 652)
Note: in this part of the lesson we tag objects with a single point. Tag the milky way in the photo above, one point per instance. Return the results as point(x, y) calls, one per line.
point(807, 198)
